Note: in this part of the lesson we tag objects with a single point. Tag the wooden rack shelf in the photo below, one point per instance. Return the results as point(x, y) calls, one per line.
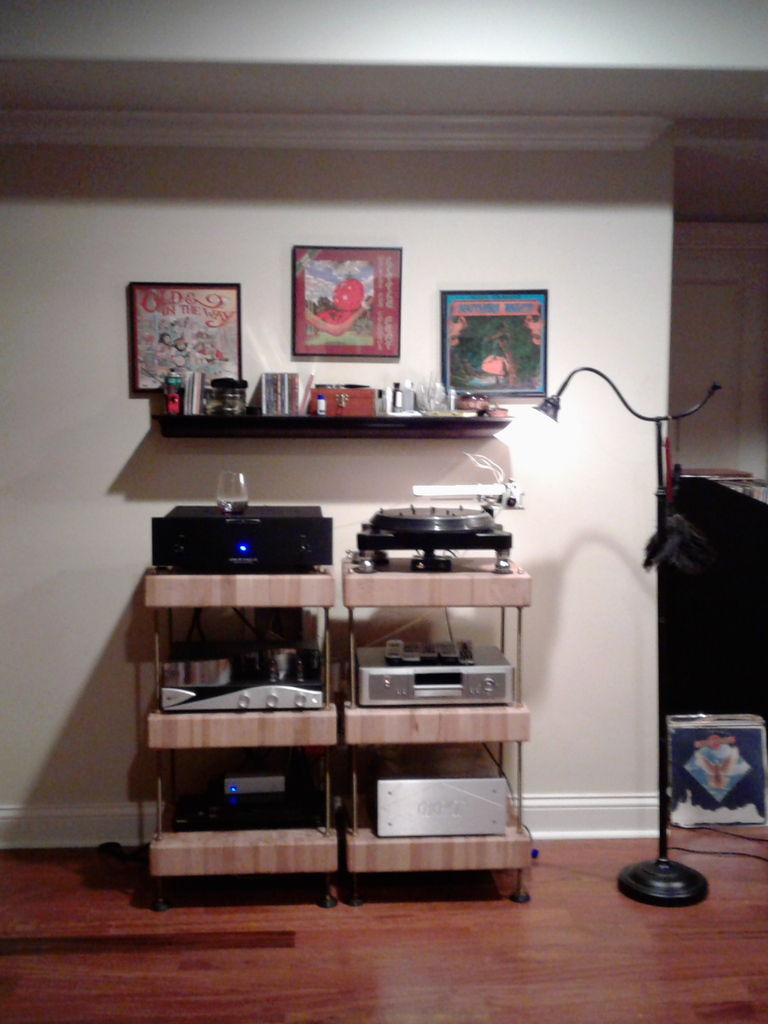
point(471, 583)
point(396, 427)
point(186, 731)
point(212, 590)
point(239, 851)
point(366, 852)
point(246, 852)
point(483, 723)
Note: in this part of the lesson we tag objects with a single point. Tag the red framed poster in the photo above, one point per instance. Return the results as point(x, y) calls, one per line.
point(346, 302)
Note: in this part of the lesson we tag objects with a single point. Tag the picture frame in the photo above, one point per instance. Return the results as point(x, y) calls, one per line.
point(183, 327)
point(495, 342)
point(346, 302)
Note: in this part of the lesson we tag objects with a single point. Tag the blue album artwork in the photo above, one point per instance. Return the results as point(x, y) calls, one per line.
point(717, 774)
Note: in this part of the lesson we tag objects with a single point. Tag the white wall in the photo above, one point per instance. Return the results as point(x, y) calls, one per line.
point(83, 470)
point(550, 33)
point(720, 332)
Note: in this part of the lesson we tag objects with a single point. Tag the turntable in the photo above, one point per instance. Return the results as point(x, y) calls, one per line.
point(434, 534)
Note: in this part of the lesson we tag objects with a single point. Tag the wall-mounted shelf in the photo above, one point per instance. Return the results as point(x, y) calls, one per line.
point(397, 427)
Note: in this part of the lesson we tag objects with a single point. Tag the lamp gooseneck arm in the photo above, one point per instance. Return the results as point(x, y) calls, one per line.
point(649, 419)
point(713, 387)
point(607, 379)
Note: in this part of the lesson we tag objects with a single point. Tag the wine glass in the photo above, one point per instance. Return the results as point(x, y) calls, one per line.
point(231, 493)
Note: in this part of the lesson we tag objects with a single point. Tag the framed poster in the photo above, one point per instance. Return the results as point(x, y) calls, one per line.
point(346, 302)
point(184, 327)
point(495, 342)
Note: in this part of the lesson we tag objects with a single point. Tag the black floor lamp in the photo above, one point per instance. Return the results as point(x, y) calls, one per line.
point(661, 881)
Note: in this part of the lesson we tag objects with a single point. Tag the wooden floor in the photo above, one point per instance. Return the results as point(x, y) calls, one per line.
point(80, 943)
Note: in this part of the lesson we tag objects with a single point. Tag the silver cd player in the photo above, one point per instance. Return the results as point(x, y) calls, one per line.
point(482, 676)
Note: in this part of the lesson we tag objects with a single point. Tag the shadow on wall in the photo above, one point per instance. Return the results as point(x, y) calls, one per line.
point(368, 472)
point(103, 733)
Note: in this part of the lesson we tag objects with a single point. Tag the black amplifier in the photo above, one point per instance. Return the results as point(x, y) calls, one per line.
point(265, 538)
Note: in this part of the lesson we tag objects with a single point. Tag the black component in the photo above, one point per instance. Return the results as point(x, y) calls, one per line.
point(466, 653)
point(429, 520)
point(252, 663)
point(299, 806)
point(398, 652)
point(716, 619)
point(266, 538)
point(412, 654)
point(393, 652)
point(448, 652)
point(429, 654)
point(428, 530)
point(249, 811)
point(430, 562)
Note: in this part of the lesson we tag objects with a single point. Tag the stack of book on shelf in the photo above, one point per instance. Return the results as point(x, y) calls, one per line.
point(278, 395)
point(194, 394)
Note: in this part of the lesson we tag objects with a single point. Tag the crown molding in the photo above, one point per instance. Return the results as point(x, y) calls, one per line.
point(327, 131)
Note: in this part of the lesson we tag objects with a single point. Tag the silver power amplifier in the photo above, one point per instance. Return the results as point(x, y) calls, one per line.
point(241, 697)
point(487, 680)
point(441, 807)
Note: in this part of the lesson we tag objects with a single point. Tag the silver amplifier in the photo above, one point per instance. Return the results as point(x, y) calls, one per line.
point(241, 697)
point(441, 807)
point(485, 679)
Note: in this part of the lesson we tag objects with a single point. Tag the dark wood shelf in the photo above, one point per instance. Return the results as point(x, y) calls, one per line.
point(396, 427)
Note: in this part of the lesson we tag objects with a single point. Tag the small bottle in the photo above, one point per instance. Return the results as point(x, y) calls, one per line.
point(172, 388)
point(321, 405)
point(409, 396)
point(397, 399)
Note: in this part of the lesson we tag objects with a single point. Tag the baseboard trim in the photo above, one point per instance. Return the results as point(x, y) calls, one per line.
point(550, 816)
point(592, 815)
point(50, 827)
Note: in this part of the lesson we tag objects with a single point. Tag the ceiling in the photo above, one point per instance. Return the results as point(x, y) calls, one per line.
point(719, 119)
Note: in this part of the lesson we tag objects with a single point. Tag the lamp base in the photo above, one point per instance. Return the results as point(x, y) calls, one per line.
point(663, 883)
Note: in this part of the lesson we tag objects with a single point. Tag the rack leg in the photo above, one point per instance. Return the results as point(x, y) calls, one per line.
point(520, 894)
point(355, 899)
point(327, 899)
point(161, 903)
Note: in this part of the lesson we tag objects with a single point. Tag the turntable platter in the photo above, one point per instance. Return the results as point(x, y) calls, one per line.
point(432, 520)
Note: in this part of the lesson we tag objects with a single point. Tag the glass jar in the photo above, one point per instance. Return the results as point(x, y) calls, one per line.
point(227, 397)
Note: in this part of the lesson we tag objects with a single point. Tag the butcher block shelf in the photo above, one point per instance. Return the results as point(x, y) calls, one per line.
point(294, 850)
point(288, 590)
point(484, 723)
point(220, 729)
point(471, 583)
point(366, 852)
